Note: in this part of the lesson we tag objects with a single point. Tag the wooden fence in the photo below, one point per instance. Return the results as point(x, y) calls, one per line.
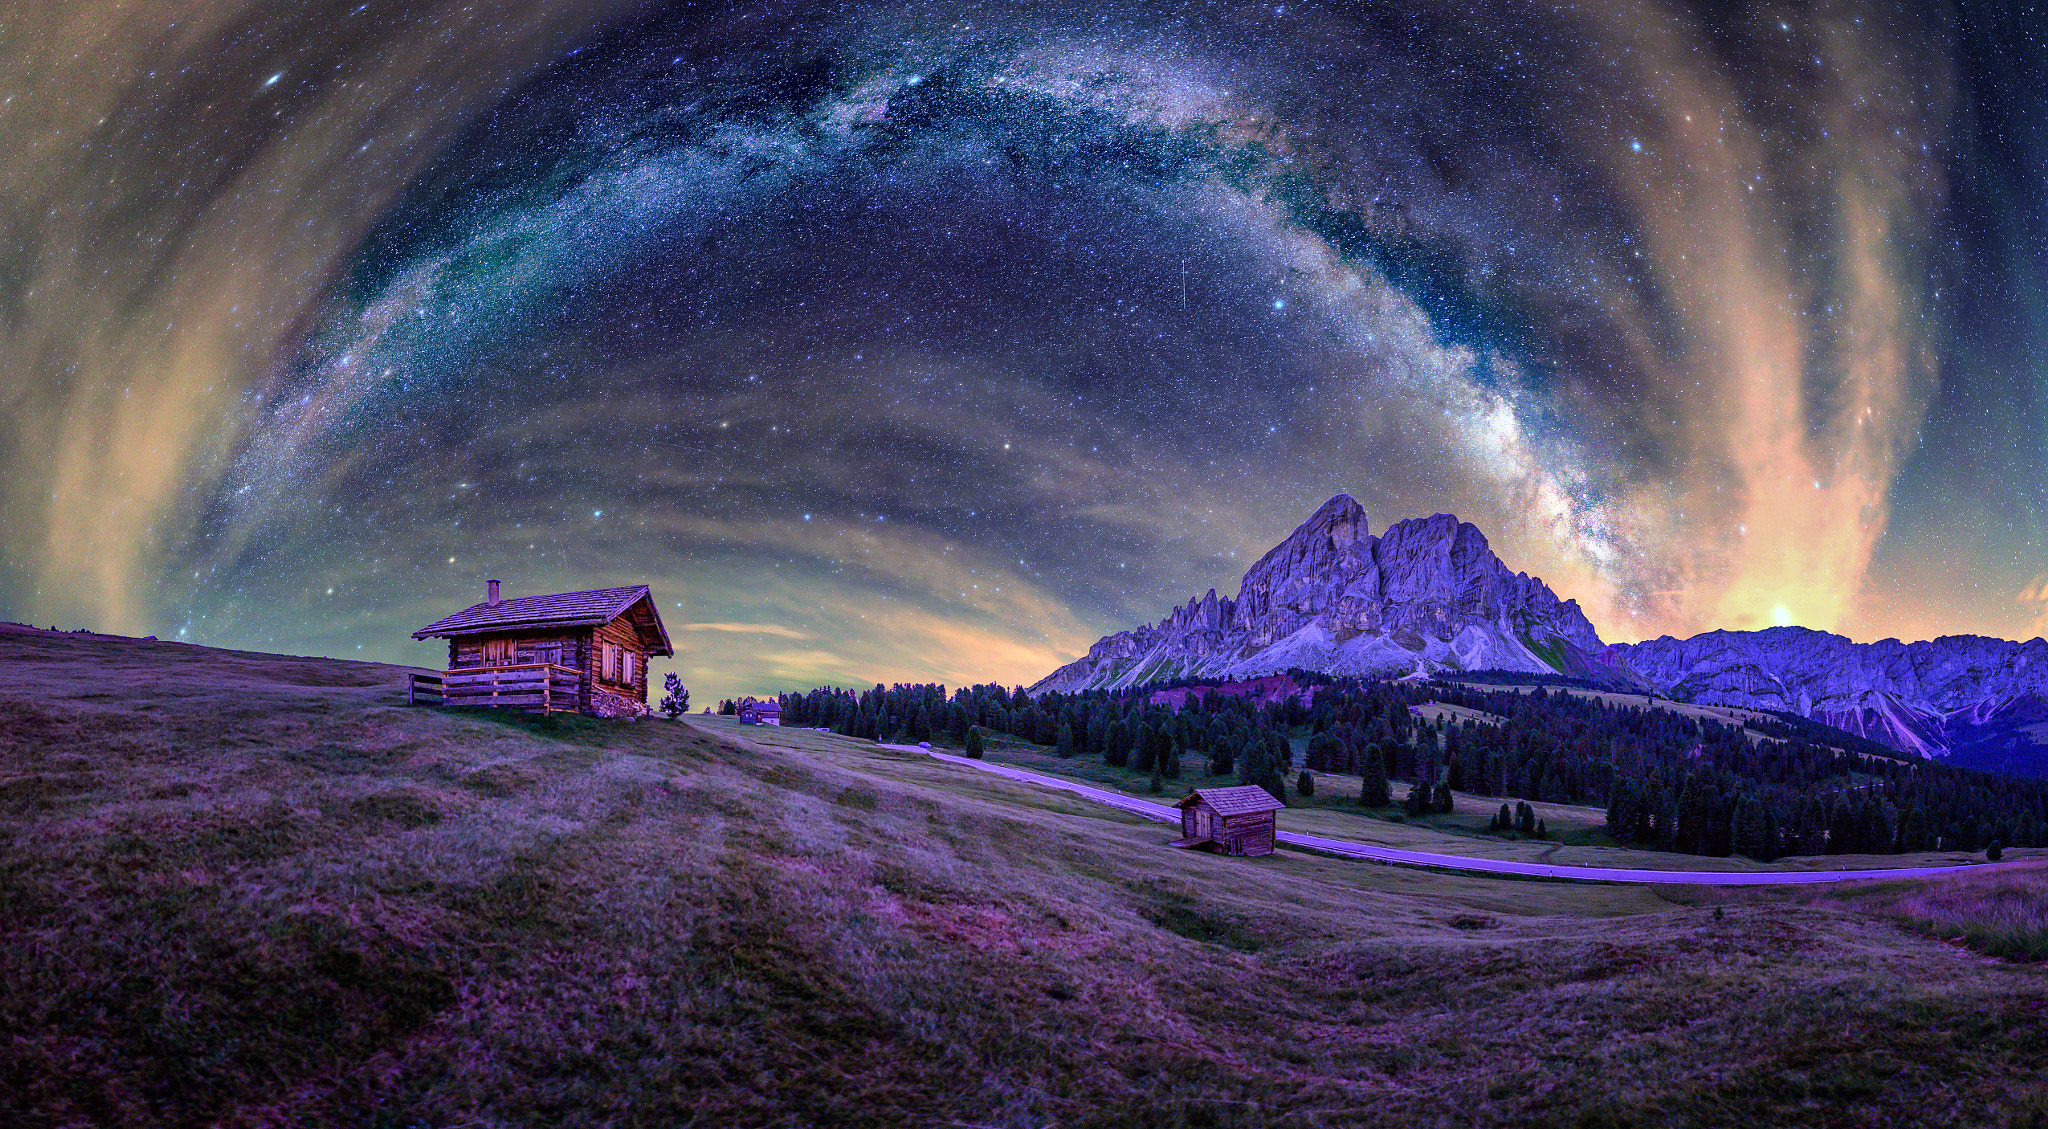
point(529, 686)
point(423, 690)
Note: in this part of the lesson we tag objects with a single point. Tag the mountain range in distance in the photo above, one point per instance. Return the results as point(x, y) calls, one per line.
point(1429, 597)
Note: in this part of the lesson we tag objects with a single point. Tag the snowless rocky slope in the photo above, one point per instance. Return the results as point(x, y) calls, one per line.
point(1928, 697)
point(1427, 595)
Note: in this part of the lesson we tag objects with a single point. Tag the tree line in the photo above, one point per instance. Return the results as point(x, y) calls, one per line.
point(1668, 780)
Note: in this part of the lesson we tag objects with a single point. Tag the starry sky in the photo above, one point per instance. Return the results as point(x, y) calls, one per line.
point(929, 340)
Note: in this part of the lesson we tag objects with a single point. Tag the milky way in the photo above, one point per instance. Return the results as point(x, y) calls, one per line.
point(933, 341)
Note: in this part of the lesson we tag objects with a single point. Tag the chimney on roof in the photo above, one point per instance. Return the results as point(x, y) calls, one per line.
point(492, 585)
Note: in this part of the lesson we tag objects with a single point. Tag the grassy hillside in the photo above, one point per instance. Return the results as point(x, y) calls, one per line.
point(247, 890)
point(1576, 832)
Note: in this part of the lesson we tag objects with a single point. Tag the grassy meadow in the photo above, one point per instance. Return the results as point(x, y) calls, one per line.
point(1575, 833)
point(246, 890)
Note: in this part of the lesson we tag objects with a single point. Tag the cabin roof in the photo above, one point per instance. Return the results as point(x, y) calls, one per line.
point(1240, 799)
point(559, 609)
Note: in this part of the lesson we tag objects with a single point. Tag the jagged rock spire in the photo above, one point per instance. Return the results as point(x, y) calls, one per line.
point(1428, 594)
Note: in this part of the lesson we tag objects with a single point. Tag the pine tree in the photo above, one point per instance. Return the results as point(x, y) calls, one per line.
point(1621, 807)
point(1306, 784)
point(1443, 799)
point(677, 701)
point(1746, 828)
point(1325, 752)
point(1373, 791)
point(1066, 742)
point(1251, 762)
point(1116, 750)
point(1222, 756)
point(974, 741)
point(1146, 748)
point(1502, 821)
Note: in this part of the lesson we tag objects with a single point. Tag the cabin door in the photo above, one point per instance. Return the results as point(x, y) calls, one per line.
point(548, 653)
point(1205, 824)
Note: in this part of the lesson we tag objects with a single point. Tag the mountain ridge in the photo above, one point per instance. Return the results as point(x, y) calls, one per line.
point(1429, 596)
point(1971, 696)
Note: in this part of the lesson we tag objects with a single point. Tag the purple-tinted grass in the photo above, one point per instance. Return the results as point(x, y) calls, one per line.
point(2003, 913)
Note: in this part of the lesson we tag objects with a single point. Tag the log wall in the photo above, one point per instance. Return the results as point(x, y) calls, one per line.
point(1247, 834)
point(579, 649)
point(619, 632)
point(465, 652)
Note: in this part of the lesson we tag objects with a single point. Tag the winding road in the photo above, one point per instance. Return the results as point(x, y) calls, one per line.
point(1346, 848)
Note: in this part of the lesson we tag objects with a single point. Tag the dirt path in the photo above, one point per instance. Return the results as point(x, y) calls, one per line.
point(1367, 852)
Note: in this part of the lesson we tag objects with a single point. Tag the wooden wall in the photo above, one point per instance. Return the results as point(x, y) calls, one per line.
point(580, 652)
point(1247, 834)
point(620, 632)
point(468, 651)
point(1239, 834)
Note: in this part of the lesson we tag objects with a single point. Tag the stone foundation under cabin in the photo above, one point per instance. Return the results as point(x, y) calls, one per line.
point(604, 703)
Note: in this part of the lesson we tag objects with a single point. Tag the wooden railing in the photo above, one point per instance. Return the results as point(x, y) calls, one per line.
point(423, 690)
point(531, 686)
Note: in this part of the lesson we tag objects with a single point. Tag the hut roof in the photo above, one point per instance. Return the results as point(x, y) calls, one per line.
point(560, 609)
point(1242, 799)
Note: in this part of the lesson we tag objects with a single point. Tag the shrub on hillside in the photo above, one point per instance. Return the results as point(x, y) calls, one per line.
point(676, 702)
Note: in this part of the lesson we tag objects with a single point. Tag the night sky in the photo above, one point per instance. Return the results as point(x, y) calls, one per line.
point(930, 341)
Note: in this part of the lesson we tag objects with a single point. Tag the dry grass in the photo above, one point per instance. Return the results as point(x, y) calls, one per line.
point(1456, 715)
point(2002, 913)
point(248, 891)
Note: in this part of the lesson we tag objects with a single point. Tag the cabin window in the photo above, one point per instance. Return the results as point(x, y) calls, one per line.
point(498, 651)
point(548, 653)
point(626, 667)
point(609, 662)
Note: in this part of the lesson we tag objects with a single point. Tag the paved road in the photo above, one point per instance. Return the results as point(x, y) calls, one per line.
point(1165, 813)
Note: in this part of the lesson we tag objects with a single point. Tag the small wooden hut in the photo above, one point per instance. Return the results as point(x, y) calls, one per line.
point(760, 713)
point(584, 651)
point(1236, 821)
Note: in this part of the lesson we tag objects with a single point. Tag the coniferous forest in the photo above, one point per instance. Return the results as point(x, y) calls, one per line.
point(1673, 782)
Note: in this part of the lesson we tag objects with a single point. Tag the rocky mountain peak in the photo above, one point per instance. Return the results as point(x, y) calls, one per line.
point(1427, 595)
point(1430, 595)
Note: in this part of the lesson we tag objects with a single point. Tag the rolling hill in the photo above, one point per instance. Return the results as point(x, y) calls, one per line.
point(251, 890)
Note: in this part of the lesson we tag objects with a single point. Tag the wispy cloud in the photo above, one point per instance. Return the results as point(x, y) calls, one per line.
point(2034, 598)
point(747, 629)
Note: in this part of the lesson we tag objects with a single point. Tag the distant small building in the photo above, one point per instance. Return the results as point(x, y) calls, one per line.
point(1236, 821)
point(582, 651)
point(760, 713)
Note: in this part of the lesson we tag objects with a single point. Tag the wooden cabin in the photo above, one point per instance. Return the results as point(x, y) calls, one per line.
point(1236, 821)
point(582, 651)
point(760, 713)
